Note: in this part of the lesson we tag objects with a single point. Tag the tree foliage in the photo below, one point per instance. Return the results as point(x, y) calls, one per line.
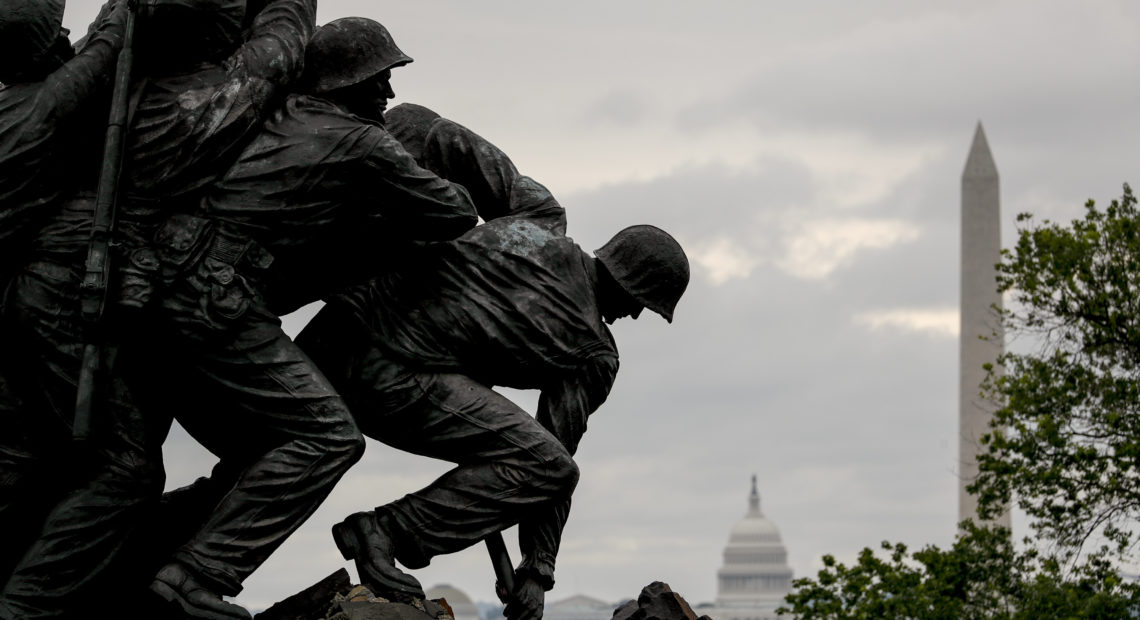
point(1066, 442)
point(982, 576)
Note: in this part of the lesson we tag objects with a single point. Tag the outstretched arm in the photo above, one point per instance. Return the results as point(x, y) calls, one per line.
point(42, 124)
point(424, 206)
point(458, 154)
point(563, 410)
point(187, 126)
point(90, 73)
point(274, 50)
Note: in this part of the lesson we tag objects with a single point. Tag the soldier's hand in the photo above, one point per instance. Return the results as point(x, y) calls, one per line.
point(526, 601)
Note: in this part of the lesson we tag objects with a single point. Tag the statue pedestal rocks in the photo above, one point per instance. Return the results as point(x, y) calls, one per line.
point(336, 598)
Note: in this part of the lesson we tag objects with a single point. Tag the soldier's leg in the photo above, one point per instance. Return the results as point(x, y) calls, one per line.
point(79, 552)
point(35, 447)
point(275, 412)
point(19, 461)
point(507, 464)
point(29, 478)
point(109, 485)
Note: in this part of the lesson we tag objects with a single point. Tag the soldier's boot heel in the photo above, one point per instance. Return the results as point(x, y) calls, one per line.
point(360, 538)
point(179, 595)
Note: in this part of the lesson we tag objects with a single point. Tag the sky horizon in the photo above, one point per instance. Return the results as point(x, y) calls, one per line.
point(808, 157)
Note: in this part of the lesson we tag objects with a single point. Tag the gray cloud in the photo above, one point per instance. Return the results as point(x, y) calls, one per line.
point(623, 108)
point(911, 78)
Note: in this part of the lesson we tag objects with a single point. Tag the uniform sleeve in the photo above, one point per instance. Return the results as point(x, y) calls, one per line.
point(408, 199)
point(39, 132)
point(563, 410)
point(186, 128)
point(460, 155)
point(92, 71)
point(258, 74)
point(274, 50)
point(564, 407)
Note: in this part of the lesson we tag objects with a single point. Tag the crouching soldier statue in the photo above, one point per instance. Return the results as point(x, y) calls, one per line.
point(513, 302)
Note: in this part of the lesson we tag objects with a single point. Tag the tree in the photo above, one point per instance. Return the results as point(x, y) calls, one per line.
point(1065, 442)
point(1066, 438)
point(982, 576)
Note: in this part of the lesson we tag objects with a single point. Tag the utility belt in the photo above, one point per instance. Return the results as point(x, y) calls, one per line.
point(192, 256)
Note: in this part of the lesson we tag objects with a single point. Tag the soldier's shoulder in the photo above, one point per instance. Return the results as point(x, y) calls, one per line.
point(319, 115)
point(522, 234)
point(308, 104)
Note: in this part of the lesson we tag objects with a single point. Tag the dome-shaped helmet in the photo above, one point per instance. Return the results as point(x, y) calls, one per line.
point(28, 28)
point(649, 264)
point(348, 51)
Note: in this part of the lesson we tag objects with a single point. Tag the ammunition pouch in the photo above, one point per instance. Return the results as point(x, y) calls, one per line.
point(203, 272)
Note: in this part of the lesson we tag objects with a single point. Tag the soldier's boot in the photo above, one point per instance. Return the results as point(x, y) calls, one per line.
point(360, 538)
point(182, 594)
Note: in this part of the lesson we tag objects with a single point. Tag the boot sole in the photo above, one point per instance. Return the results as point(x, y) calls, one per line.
point(174, 600)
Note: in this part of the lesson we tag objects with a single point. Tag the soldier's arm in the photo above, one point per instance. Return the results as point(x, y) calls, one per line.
point(274, 50)
point(563, 410)
point(409, 200)
point(259, 74)
point(91, 72)
point(38, 132)
point(181, 141)
point(458, 154)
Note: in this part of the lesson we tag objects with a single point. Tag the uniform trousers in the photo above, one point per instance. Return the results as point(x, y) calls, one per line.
point(507, 464)
point(210, 355)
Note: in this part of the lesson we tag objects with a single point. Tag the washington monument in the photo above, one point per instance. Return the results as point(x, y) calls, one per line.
point(981, 339)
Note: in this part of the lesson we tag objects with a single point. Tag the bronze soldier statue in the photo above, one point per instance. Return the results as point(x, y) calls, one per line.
point(513, 302)
point(321, 176)
point(316, 177)
point(50, 100)
point(52, 105)
point(320, 198)
point(193, 110)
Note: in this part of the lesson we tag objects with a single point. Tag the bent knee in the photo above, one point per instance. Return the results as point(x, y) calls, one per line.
point(356, 448)
point(563, 473)
point(337, 437)
point(347, 446)
point(131, 476)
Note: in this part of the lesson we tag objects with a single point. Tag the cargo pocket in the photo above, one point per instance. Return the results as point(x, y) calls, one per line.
point(137, 278)
point(179, 241)
point(230, 294)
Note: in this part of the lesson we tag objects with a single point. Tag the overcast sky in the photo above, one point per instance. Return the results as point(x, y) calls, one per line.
point(808, 156)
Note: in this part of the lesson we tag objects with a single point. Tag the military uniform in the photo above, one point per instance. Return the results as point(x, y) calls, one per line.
point(316, 179)
point(186, 128)
point(328, 194)
point(416, 351)
point(44, 126)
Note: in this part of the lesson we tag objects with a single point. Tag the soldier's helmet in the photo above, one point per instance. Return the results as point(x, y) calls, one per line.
point(348, 51)
point(650, 265)
point(28, 28)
